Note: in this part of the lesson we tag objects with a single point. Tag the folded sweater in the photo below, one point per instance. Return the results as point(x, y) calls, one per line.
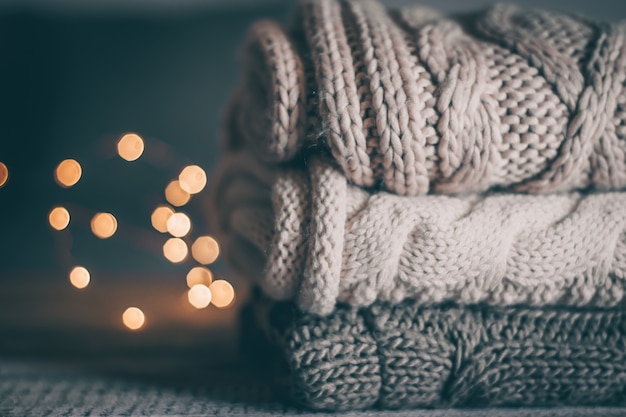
point(412, 101)
point(406, 355)
point(316, 239)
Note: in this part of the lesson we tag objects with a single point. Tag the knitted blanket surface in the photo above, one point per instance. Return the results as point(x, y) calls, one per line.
point(413, 102)
point(316, 239)
point(407, 355)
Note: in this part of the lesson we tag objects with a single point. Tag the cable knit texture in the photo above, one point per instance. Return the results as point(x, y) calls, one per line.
point(413, 102)
point(317, 240)
point(406, 356)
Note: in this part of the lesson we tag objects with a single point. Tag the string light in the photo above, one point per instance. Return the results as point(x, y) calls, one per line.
point(205, 250)
point(4, 174)
point(175, 195)
point(130, 147)
point(199, 296)
point(192, 179)
point(79, 277)
point(133, 318)
point(178, 225)
point(59, 218)
point(199, 275)
point(175, 250)
point(104, 225)
point(160, 216)
point(223, 293)
point(68, 172)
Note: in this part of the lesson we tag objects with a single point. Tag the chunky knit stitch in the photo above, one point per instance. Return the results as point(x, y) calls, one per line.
point(415, 102)
point(407, 355)
point(316, 239)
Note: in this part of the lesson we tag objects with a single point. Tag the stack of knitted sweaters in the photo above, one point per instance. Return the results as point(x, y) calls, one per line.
point(436, 204)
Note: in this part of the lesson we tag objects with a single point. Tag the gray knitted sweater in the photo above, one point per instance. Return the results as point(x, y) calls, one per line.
point(408, 355)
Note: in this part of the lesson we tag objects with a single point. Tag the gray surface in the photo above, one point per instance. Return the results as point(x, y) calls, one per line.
point(34, 389)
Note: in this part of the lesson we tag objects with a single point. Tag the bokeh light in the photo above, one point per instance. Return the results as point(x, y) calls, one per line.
point(159, 218)
point(4, 174)
point(80, 277)
point(199, 275)
point(192, 179)
point(59, 218)
point(199, 296)
point(104, 225)
point(179, 224)
point(130, 147)
point(205, 250)
point(175, 250)
point(68, 172)
point(133, 318)
point(175, 195)
point(223, 293)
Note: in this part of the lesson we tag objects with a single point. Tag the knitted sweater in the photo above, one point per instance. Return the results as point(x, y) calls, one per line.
point(316, 239)
point(413, 102)
point(406, 355)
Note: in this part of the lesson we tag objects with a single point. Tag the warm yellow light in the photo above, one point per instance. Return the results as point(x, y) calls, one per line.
point(59, 218)
point(68, 173)
point(80, 277)
point(159, 218)
point(4, 174)
point(175, 195)
point(192, 179)
point(199, 296)
point(205, 250)
point(175, 250)
point(223, 293)
point(130, 147)
point(178, 224)
point(103, 225)
point(199, 275)
point(133, 318)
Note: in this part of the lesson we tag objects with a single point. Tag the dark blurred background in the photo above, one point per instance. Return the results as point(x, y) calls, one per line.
point(74, 76)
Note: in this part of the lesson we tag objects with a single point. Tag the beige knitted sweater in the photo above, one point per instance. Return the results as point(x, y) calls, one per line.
point(354, 99)
point(310, 236)
point(414, 102)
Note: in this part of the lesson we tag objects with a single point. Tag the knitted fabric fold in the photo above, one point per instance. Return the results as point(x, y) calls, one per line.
point(407, 355)
point(315, 239)
point(413, 102)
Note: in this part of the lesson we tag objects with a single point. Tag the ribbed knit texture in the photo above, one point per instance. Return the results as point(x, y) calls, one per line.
point(407, 356)
point(414, 102)
point(316, 239)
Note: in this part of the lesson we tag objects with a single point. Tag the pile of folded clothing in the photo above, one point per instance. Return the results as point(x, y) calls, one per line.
point(433, 207)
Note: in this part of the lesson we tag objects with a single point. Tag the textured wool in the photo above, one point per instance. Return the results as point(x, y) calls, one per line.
point(315, 239)
point(408, 356)
point(412, 101)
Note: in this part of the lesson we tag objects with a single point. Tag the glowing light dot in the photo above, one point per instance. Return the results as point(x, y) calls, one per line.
point(205, 250)
point(133, 318)
point(104, 225)
point(199, 275)
point(178, 224)
point(130, 147)
point(68, 173)
point(199, 296)
point(4, 174)
point(80, 277)
point(159, 218)
point(192, 179)
point(175, 195)
point(175, 250)
point(223, 293)
point(59, 218)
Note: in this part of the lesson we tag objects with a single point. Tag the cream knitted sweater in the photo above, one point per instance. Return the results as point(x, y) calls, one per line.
point(314, 238)
point(413, 102)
